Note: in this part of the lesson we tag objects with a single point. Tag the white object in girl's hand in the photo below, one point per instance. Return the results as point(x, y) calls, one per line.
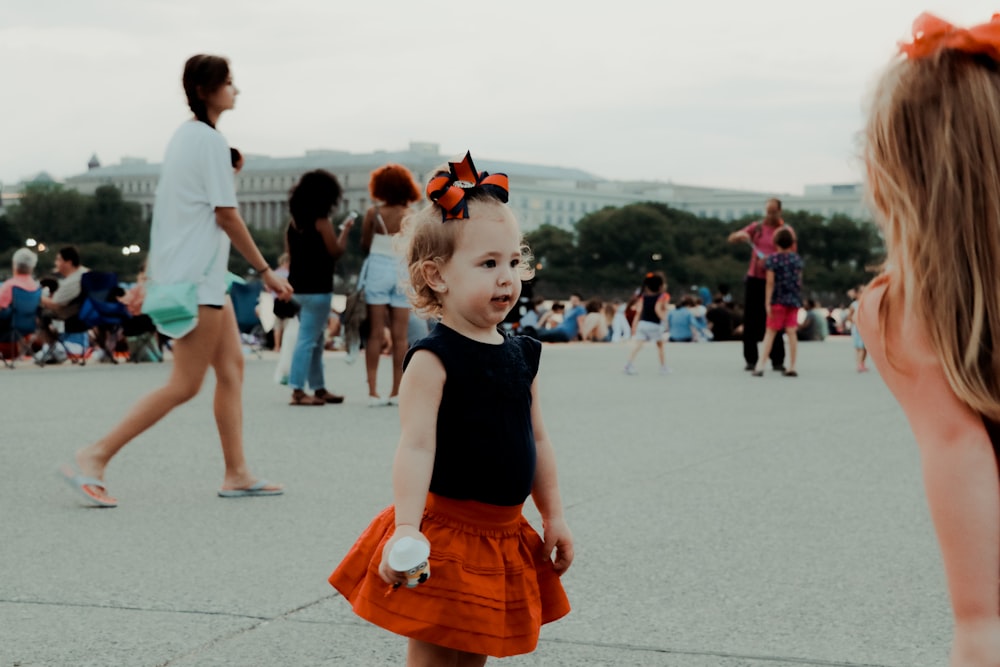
point(410, 555)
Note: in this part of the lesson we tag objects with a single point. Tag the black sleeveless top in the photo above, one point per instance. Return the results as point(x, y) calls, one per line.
point(648, 313)
point(310, 268)
point(485, 442)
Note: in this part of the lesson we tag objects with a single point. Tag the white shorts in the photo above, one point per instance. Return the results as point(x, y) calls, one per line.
point(651, 331)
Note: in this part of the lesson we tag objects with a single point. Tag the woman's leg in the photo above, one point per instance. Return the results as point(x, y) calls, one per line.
point(192, 356)
point(312, 322)
point(660, 353)
point(423, 654)
point(400, 326)
point(317, 379)
point(377, 315)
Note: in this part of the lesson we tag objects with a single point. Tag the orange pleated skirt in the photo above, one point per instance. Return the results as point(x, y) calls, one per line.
point(490, 589)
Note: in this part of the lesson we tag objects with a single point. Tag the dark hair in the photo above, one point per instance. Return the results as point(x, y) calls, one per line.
point(234, 157)
point(654, 281)
point(783, 238)
point(393, 184)
point(70, 254)
point(776, 201)
point(203, 75)
point(313, 197)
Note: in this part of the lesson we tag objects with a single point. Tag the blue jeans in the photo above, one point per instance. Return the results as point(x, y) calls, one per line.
point(307, 359)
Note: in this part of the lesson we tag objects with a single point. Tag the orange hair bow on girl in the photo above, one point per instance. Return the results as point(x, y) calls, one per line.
point(932, 34)
point(447, 188)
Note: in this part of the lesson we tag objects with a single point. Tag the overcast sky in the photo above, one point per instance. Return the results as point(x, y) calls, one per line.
point(765, 95)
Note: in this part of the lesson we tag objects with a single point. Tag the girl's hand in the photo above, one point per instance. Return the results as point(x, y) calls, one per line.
point(389, 575)
point(558, 537)
point(280, 286)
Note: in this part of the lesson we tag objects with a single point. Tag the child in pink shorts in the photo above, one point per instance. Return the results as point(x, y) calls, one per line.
point(783, 298)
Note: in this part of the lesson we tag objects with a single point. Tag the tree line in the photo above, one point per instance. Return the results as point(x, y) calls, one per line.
point(605, 255)
point(610, 251)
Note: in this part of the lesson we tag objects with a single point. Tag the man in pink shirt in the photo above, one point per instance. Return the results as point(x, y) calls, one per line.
point(23, 263)
point(760, 236)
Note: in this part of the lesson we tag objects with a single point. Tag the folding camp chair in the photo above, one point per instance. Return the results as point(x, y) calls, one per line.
point(142, 338)
point(101, 310)
point(245, 298)
point(23, 312)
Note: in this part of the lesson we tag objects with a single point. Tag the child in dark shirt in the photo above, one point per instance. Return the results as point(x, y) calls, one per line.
point(473, 447)
point(783, 298)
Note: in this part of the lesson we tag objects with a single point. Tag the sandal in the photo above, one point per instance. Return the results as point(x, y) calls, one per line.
point(327, 397)
point(790, 374)
point(300, 397)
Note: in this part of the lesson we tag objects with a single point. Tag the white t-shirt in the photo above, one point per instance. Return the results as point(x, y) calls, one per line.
point(196, 178)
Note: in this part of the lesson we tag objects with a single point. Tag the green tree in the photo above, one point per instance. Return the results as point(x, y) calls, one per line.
point(555, 255)
point(110, 219)
point(50, 214)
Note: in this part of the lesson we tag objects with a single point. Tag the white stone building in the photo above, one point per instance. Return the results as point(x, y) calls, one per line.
point(540, 194)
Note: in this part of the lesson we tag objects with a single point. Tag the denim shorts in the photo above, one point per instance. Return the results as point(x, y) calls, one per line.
point(649, 331)
point(384, 279)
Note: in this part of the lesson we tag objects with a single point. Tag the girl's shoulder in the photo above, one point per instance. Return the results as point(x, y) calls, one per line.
point(890, 329)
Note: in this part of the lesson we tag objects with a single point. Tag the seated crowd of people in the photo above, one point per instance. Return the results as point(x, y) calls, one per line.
point(690, 319)
point(60, 332)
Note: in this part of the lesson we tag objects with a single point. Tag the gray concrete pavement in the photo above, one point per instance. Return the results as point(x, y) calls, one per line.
point(720, 520)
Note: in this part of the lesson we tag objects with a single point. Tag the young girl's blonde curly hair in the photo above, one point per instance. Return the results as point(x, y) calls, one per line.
point(427, 238)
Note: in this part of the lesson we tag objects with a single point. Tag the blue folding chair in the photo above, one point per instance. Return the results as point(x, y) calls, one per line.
point(22, 323)
point(245, 298)
point(101, 310)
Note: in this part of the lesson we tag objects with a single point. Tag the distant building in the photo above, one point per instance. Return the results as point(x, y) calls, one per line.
point(540, 195)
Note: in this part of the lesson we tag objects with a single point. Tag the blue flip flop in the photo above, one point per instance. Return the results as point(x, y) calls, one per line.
point(90, 488)
point(259, 488)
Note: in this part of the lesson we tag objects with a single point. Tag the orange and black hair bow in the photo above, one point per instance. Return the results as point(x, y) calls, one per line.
point(448, 188)
point(932, 35)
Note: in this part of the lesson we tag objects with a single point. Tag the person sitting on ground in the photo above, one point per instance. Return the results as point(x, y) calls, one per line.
point(814, 326)
point(703, 333)
point(721, 319)
point(595, 327)
point(528, 324)
point(569, 329)
point(680, 322)
point(552, 317)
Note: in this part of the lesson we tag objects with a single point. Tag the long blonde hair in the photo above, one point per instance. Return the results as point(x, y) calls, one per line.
point(933, 158)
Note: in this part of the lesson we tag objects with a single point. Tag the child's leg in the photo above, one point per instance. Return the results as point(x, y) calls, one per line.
point(636, 346)
point(966, 518)
point(768, 342)
point(422, 654)
point(793, 344)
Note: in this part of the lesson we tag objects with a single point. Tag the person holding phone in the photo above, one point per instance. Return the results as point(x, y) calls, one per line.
point(313, 251)
point(760, 236)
